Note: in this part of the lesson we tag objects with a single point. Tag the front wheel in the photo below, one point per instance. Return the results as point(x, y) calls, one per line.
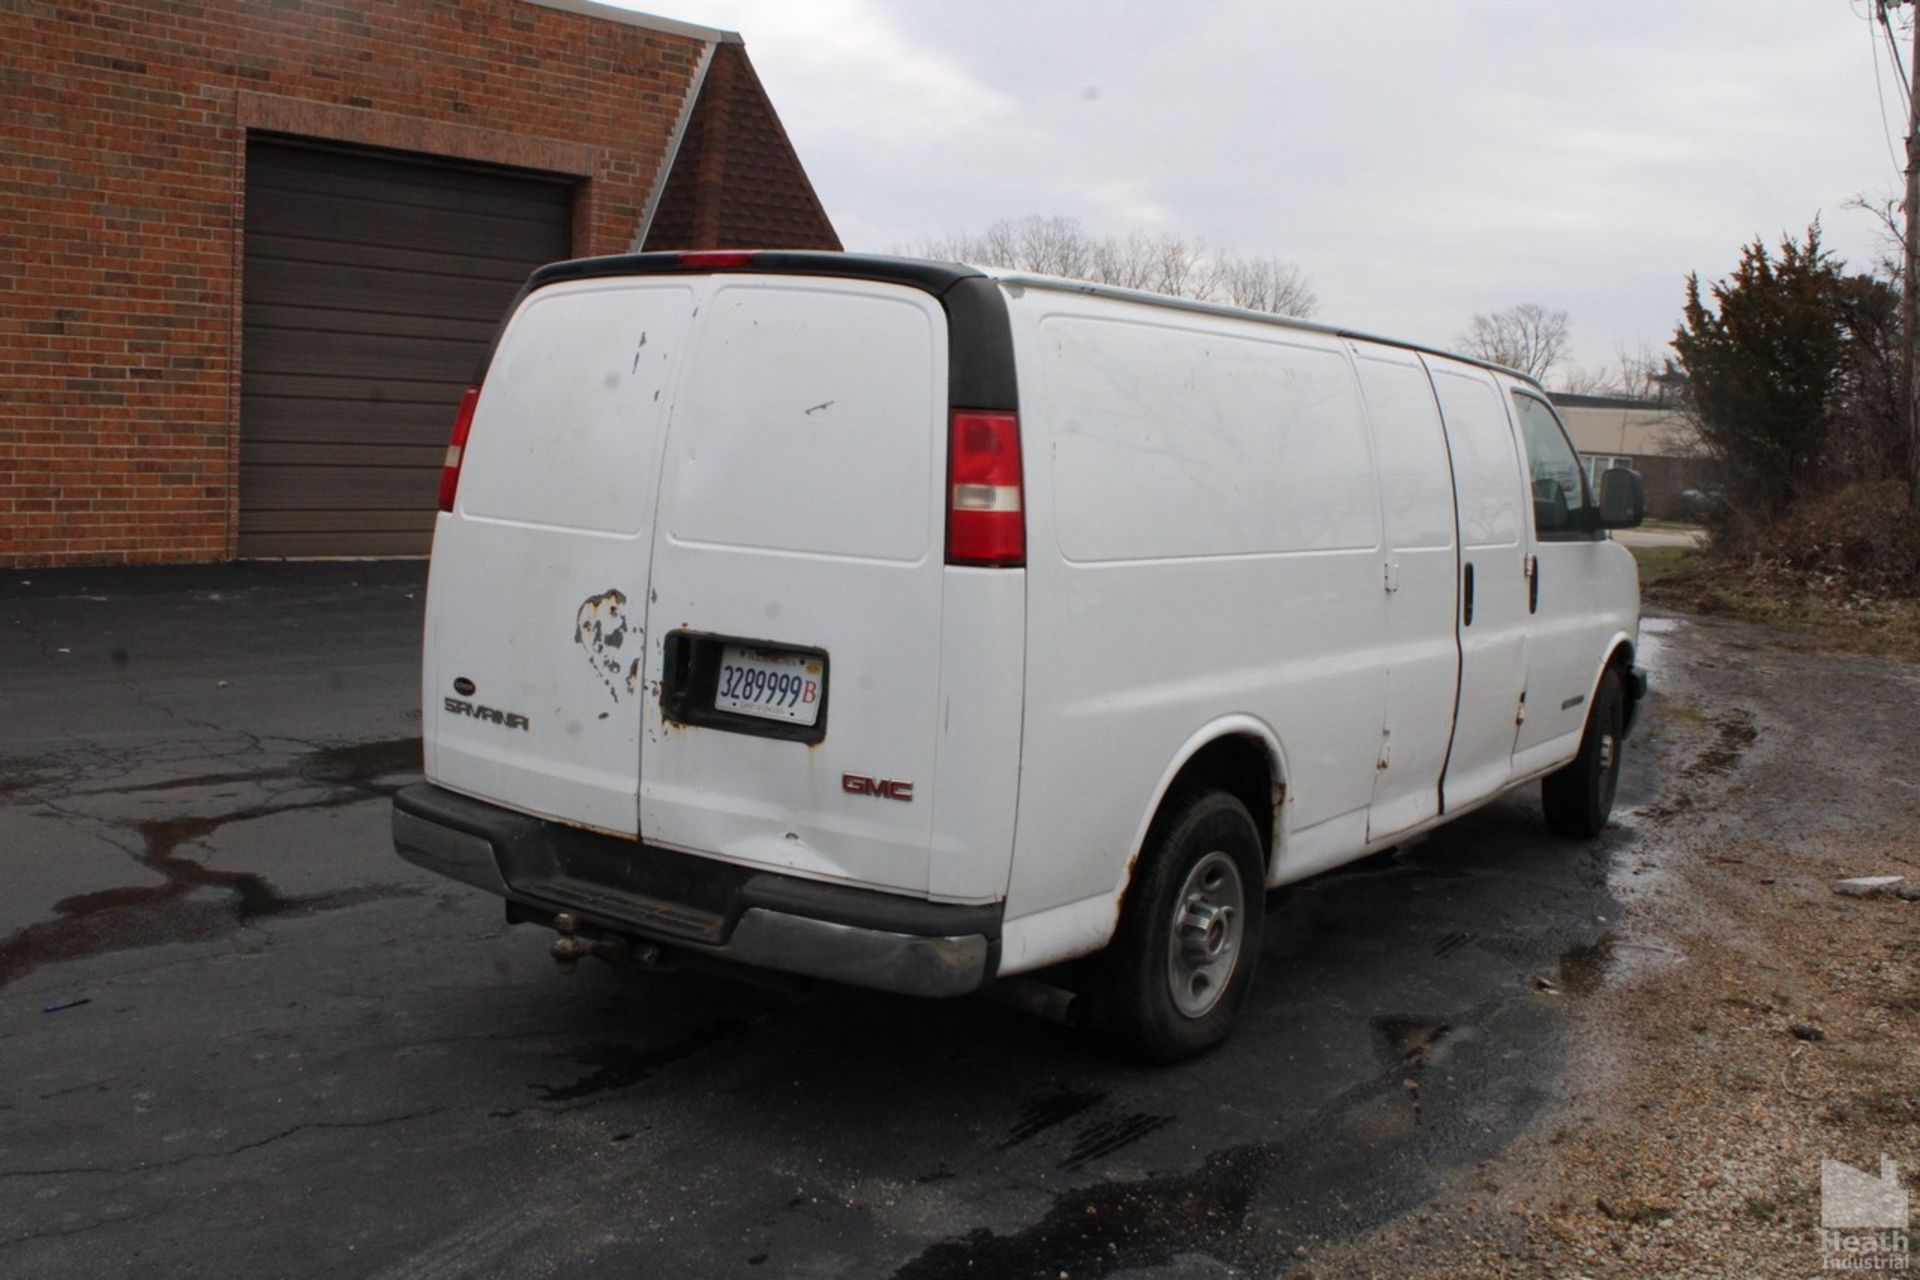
point(1179, 966)
point(1578, 797)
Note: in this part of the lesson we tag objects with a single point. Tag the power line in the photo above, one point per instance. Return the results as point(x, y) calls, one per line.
point(1893, 56)
point(1880, 89)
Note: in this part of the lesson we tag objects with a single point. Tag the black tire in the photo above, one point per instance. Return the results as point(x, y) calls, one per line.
point(1578, 797)
point(1200, 854)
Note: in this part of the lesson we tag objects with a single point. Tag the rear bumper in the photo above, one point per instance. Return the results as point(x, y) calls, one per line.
point(703, 906)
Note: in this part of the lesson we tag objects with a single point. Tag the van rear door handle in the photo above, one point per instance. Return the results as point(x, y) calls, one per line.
point(1466, 595)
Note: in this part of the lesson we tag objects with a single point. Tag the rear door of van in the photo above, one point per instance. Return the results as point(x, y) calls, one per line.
point(794, 615)
point(535, 635)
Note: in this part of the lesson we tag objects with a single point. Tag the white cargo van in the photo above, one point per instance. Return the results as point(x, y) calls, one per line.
point(915, 626)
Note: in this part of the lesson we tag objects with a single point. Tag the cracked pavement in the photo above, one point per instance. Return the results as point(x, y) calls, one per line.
point(242, 1037)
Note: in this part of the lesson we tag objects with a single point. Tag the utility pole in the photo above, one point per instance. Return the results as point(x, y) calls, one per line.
point(1910, 273)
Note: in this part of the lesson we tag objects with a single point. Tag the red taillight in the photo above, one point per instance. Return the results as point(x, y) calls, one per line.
point(716, 259)
point(986, 524)
point(456, 446)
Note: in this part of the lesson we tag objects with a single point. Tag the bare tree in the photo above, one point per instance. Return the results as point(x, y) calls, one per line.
point(1267, 284)
point(1159, 262)
point(1885, 211)
point(1124, 263)
point(1052, 246)
point(1527, 337)
point(1634, 375)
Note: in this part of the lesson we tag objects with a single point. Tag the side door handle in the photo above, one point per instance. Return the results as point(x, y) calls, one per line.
point(1466, 595)
point(1533, 584)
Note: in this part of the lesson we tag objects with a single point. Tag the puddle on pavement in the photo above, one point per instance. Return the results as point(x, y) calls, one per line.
point(1734, 732)
point(358, 764)
point(1652, 650)
point(1407, 1043)
point(181, 908)
point(1087, 1232)
point(620, 1066)
point(1246, 1206)
point(1584, 969)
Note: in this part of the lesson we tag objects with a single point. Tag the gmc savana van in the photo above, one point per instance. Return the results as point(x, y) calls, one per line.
point(915, 626)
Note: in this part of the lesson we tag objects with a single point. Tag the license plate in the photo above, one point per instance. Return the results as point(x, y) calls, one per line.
point(770, 684)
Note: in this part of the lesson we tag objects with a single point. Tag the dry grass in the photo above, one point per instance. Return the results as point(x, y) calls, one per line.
point(1837, 620)
point(1844, 569)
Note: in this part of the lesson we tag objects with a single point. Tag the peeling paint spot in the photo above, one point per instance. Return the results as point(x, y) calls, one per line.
point(600, 628)
point(633, 674)
point(636, 356)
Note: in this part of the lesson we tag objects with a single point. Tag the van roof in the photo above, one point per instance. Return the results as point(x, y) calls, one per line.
point(1023, 279)
point(938, 278)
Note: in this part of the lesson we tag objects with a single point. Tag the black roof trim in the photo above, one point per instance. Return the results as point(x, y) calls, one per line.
point(980, 370)
point(933, 277)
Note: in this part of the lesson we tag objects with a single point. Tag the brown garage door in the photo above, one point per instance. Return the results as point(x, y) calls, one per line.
point(372, 287)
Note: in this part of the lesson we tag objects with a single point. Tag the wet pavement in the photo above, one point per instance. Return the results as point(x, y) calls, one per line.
point(241, 1036)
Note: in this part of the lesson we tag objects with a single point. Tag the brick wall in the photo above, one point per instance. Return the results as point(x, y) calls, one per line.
point(122, 133)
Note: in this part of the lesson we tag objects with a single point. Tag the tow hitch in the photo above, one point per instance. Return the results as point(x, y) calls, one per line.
point(571, 945)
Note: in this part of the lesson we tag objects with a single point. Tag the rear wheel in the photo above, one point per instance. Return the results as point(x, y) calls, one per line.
point(1178, 969)
point(1578, 798)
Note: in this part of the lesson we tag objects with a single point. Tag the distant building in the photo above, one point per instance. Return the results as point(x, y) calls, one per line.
point(1648, 436)
point(252, 253)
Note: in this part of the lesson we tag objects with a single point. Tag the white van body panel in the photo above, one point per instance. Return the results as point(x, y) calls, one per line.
point(1204, 542)
point(1242, 535)
point(976, 774)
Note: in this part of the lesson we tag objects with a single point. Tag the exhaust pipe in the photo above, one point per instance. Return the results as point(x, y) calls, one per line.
point(1037, 999)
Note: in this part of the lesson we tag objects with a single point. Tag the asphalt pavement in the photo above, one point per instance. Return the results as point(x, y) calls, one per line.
point(242, 1037)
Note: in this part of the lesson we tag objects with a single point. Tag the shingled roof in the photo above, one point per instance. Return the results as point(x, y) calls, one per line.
point(736, 182)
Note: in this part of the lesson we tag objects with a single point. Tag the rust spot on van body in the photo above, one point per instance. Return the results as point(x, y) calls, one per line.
point(600, 628)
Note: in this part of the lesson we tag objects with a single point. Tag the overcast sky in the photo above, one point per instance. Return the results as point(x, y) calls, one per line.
point(1419, 161)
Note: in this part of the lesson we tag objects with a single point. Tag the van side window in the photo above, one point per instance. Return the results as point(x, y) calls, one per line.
point(1553, 469)
point(1485, 469)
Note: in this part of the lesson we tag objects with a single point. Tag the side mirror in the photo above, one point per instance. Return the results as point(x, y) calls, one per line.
point(1623, 498)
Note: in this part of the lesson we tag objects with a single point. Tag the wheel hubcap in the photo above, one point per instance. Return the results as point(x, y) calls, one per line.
point(1204, 942)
